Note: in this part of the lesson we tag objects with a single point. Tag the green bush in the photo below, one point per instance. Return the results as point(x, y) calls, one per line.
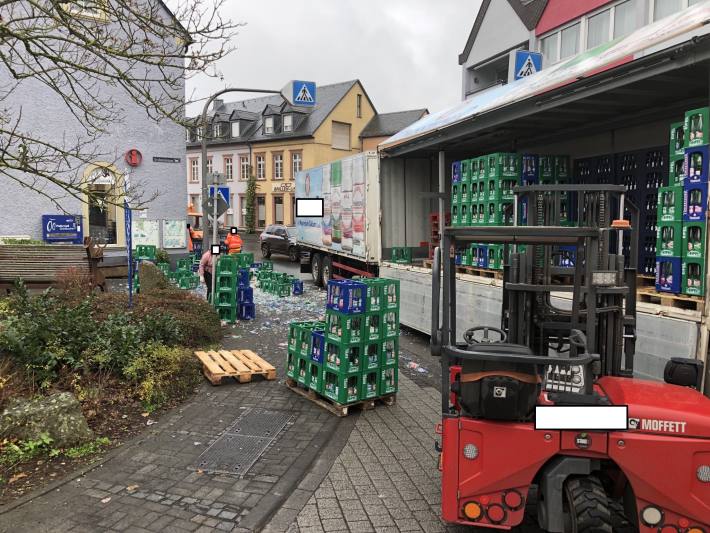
point(162, 373)
point(151, 278)
point(161, 256)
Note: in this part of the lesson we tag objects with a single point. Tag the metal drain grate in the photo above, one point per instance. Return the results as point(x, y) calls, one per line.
point(241, 445)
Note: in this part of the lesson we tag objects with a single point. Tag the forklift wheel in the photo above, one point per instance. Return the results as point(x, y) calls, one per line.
point(586, 506)
point(620, 523)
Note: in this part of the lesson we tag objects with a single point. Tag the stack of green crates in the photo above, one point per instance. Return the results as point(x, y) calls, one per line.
point(360, 360)
point(224, 297)
point(244, 260)
point(277, 283)
point(401, 254)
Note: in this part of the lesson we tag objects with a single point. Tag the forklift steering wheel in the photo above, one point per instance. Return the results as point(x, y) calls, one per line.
point(470, 335)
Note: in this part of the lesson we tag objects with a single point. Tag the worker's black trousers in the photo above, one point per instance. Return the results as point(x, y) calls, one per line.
point(208, 282)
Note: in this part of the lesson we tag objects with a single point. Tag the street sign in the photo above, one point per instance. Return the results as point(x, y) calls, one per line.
point(222, 201)
point(300, 93)
point(221, 192)
point(216, 178)
point(525, 63)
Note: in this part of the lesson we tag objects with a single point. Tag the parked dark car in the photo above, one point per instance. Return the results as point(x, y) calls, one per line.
point(279, 239)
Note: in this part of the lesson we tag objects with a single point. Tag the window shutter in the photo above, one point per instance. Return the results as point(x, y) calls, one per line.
point(341, 136)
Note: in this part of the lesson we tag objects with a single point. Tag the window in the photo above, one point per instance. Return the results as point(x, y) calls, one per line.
point(194, 170)
point(235, 129)
point(625, 18)
point(199, 133)
point(278, 166)
point(228, 167)
point(598, 28)
point(569, 41)
point(92, 9)
point(244, 167)
point(663, 8)
point(288, 122)
point(341, 136)
point(296, 163)
point(209, 165)
point(358, 110)
point(548, 47)
point(260, 167)
point(269, 125)
point(260, 211)
point(278, 209)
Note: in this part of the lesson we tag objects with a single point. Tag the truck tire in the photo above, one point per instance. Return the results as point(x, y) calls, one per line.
point(316, 263)
point(326, 270)
point(587, 506)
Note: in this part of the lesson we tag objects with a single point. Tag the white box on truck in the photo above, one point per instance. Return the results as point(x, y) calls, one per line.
point(350, 189)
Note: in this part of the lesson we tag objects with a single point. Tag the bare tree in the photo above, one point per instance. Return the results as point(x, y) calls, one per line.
point(87, 53)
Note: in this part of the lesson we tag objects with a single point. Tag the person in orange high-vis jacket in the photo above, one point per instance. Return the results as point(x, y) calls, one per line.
point(233, 242)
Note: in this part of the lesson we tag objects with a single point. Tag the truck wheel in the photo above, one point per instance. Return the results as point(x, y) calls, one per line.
point(293, 254)
point(326, 270)
point(586, 506)
point(265, 251)
point(316, 263)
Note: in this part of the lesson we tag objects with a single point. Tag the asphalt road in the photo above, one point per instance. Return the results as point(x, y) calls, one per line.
point(281, 262)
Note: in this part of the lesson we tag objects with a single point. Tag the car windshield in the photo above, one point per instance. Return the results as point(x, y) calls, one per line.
point(291, 232)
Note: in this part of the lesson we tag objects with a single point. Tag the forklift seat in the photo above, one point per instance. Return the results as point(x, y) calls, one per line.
point(499, 390)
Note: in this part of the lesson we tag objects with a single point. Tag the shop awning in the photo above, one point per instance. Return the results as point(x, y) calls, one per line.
point(648, 41)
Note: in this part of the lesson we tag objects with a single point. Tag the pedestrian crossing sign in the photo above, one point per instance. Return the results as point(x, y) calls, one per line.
point(300, 93)
point(526, 63)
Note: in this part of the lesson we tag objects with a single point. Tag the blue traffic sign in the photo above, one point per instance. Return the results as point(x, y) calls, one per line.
point(304, 93)
point(527, 63)
point(221, 191)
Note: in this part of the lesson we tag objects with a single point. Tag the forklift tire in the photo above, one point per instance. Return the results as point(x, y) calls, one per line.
point(316, 263)
point(619, 522)
point(587, 506)
point(326, 270)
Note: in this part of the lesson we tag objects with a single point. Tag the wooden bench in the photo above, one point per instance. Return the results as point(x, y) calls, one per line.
point(40, 266)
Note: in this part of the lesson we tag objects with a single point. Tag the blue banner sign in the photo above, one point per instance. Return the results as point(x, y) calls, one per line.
point(62, 228)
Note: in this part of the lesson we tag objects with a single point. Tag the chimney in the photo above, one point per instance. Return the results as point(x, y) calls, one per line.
point(216, 104)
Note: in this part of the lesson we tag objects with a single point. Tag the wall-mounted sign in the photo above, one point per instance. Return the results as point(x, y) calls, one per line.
point(101, 176)
point(62, 228)
point(286, 186)
point(166, 159)
point(134, 157)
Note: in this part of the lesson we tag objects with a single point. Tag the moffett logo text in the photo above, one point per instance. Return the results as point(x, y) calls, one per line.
point(665, 426)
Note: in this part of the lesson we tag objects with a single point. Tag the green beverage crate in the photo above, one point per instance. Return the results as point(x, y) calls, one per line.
point(343, 359)
point(371, 355)
point(506, 188)
point(669, 239)
point(300, 335)
point(402, 254)
point(343, 328)
point(184, 264)
point(145, 251)
point(466, 257)
point(283, 289)
point(694, 240)
point(302, 368)
point(267, 266)
point(374, 295)
point(226, 265)
point(189, 281)
point(677, 140)
point(455, 215)
point(473, 213)
point(228, 314)
point(464, 193)
point(224, 298)
point(389, 354)
point(482, 167)
point(390, 325)
point(695, 127)
point(676, 170)
point(503, 165)
point(562, 168)
point(693, 277)
point(370, 387)
point(341, 388)
point(481, 219)
point(466, 170)
point(390, 290)
point(291, 363)
point(315, 376)
point(495, 256)
point(373, 326)
point(455, 193)
point(670, 203)
point(493, 189)
point(468, 218)
point(389, 380)
point(473, 191)
point(547, 168)
point(164, 268)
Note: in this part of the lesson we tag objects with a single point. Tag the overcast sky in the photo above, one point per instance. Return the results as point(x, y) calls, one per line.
point(404, 51)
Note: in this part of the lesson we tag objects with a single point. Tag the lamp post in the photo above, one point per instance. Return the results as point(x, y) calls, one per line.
point(206, 240)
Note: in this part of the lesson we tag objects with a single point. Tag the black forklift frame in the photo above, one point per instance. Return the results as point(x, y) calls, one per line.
point(591, 240)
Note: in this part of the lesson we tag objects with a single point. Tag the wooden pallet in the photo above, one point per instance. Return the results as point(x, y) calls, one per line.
point(677, 301)
point(334, 407)
point(643, 281)
point(238, 364)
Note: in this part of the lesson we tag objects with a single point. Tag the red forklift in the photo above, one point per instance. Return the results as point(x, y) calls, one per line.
point(567, 338)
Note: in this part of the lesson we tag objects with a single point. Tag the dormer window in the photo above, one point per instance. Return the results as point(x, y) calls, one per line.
point(235, 129)
point(269, 125)
point(288, 123)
